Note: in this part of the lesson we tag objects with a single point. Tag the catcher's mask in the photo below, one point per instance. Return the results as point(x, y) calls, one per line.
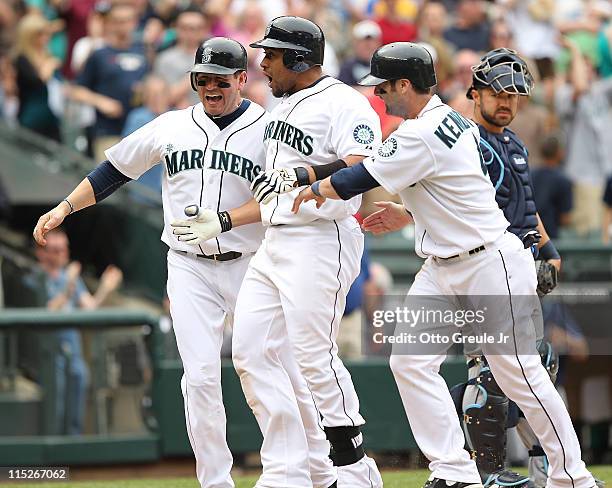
point(503, 70)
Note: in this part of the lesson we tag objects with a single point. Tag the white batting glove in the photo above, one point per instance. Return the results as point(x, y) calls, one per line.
point(202, 225)
point(272, 183)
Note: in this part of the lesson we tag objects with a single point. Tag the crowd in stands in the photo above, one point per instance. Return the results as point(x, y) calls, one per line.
point(108, 67)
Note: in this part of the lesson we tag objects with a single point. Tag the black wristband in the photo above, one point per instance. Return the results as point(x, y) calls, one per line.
point(301, 175)
point(225, 220)
point(548, 251)
point(322, 171)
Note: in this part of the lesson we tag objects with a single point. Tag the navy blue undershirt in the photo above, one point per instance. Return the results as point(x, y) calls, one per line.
point(225, 120)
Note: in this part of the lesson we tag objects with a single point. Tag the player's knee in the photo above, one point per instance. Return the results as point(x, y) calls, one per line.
point(402, 367)
point(203, 374)
point(346, 445)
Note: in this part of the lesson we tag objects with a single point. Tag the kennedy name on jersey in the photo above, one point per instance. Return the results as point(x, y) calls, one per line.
point(292, 136)
point(451, 128)
point(178, 161)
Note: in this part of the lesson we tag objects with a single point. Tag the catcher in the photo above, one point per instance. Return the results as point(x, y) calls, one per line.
point(497, 82)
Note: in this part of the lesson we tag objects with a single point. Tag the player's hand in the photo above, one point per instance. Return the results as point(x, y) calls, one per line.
point(203, 224)
point(272, 183)
point(52, 219)
point(305, 196)
point(390, 218)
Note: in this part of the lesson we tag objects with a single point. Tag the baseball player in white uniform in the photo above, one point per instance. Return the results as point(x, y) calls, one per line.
point(296, 285)
point(434, 163)
point(210, 152)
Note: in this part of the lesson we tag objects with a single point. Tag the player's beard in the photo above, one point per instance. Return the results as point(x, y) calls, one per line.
point(491, 119)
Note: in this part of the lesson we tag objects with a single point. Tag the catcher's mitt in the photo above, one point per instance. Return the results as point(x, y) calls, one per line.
point(547, 277)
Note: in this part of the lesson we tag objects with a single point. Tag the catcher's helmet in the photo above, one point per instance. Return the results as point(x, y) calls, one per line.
point(503, 70)
point(401, 60)
point(302, 40)
point(219, 56)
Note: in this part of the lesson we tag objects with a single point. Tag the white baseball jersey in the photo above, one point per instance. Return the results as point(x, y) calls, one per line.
point(434, 163)
point(202, 165)
point(317, 125)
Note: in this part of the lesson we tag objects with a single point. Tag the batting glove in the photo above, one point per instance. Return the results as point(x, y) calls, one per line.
point(202, 225)
point(274, 182)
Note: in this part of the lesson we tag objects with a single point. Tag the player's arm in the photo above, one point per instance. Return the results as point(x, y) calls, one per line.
point(203, 224)
point(97, 185)
point(547, 250)
point(342, 185)
point(275, 182)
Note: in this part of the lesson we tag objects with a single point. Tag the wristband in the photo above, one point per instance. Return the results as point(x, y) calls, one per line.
point(69, 204)
point(315, 188)
point(322, 171)
point(548, 251)
point(225, 220)
point(301, 175)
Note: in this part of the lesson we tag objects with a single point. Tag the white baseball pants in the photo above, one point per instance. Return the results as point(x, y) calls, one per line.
point(202, 292)
point(504, 269)
point(295, 289)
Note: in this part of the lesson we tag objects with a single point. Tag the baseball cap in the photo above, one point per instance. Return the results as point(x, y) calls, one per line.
point(365, 29)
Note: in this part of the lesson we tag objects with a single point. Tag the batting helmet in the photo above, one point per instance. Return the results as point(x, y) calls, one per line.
point(302, 40)
point(503, 70)
point(219, 56)
point(401, 60)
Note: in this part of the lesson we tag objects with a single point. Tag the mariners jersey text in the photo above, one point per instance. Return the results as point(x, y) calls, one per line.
point(290, 135)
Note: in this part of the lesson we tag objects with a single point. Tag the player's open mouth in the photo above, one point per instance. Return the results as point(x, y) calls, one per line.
point(214, 98)
point(269, 79)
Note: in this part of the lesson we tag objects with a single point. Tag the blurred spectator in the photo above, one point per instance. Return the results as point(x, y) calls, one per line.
point(75, 14)
point(156, 101)
point(532, 124)
point(251, 22)
point(582, 22)
point(366, 39)
point(92, 39)
point(331, 21)
point(270, 8)
point(49, 10)
point(10, 12)
point(396, 20)
point(535, 34)
point(501, 35)
point(66, 291)
point(173, 63)
point(606, 226)
point(584, 106)
point(150, 28)
point(110, 76)
point(155, 98)
point(433, 23)
point(456, 89)
point(35, 67)
point(8, 87)
point(471, 27)
point(553, 190)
